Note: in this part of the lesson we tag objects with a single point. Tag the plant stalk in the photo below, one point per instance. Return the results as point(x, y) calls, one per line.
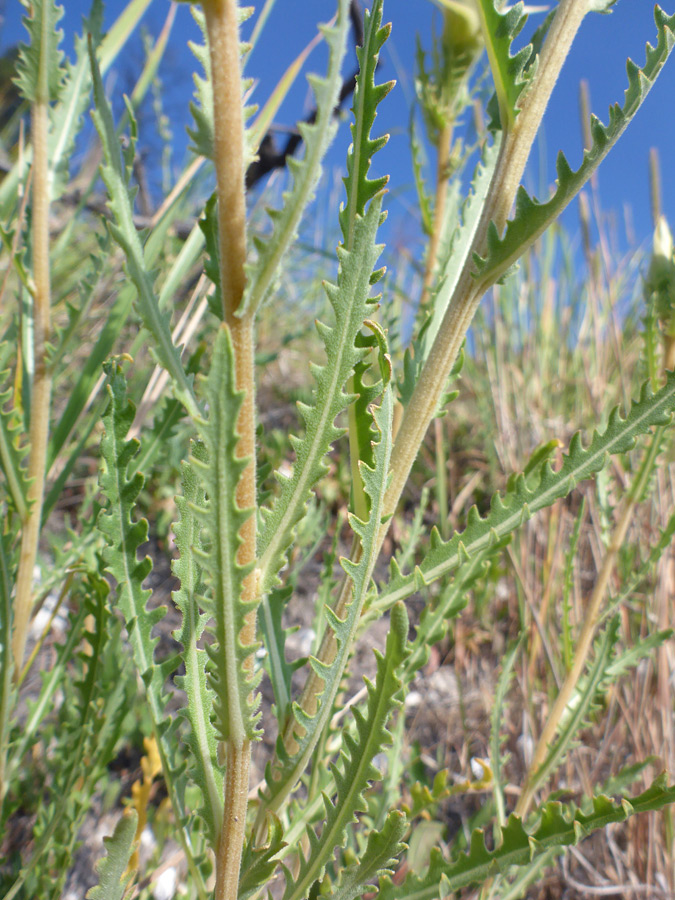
point(41, 385)
point(508, 173)
point(443, 155)
point(223, 36)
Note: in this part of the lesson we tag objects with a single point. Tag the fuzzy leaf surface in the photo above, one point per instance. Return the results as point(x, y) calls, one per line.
point(351, 303)
point(12, 452)
point(510, 510)
point(500, 29)
point(201, 739)
point(112, 881)
point(217, 513)
point(288, 767)
point(39, 72)
point(121, 484)
point(350, 299)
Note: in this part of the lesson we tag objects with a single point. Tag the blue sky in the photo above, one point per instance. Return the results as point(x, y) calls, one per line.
point(598, 55)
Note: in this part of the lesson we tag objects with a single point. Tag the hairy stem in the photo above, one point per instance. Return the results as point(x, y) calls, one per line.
point(41, 385)
point(231, 839)
point(223, 36)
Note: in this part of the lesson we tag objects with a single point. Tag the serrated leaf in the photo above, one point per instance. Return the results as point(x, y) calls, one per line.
point(12, 452)
point(558, 828)
point(259, 863)
point(307, 728)
point(39, 74)
point(121, 485)
point(354, 770)
point(367, 96)
point(350, 299)
point(202, 738)
point(66, 116)
point(532, 217)
point(500, 29)
point(508, 511)
point(230, 661)
point(351, 302)
point(113, 879)
point(382, 850)
point(317, 137)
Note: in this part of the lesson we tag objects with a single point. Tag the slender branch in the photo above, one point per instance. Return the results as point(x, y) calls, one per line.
point(223, 35)
point(41, 386)
point(444, 144)
point(513, 156)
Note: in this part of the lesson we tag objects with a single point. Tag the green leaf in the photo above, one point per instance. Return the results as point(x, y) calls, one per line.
point(317, 137)
point(367, 96)
point(66, 116)
point(258, 864)
point(351, 303)
point(12, 452)
point(202, 738)
point(202, 107)
point(354, 770)
point(39, 73)
point(219, 471)
point(283, 774)
point(531, 217)
point(115, 172)
point(382, 849)
point(112, 881)
point(559, 827)
point(509, 511)
point(121, 484)
point(500, 29)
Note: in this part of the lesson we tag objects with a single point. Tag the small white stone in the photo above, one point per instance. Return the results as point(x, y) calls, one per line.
point(413, 699)
point(165, 886)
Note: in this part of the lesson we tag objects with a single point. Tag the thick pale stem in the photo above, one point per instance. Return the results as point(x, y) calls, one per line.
point(41, 386)
point(228, 124)
point(231, 839)
point(228, 140)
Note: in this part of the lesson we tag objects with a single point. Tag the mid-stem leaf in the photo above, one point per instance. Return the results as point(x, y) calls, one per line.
point(308, 723)
point(355, 770)
point(202, 737)
point(499, 31)
point(219, 471)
